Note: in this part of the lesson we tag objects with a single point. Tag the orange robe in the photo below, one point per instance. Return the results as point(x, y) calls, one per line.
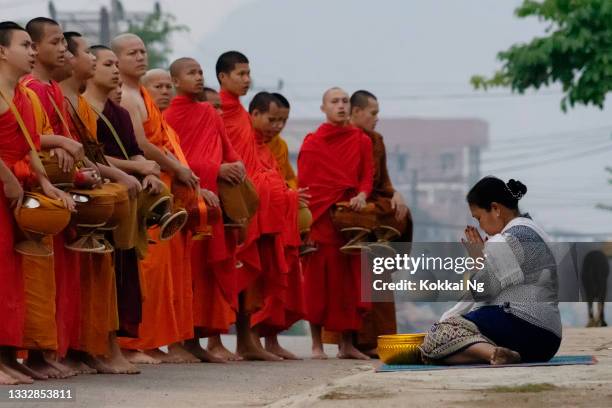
point(204, 142)
point(335, 163)
point(66, 263)
point(98, 291)
point(167, 315)
point(280, 150)
point(262, 254)
point(13, 149)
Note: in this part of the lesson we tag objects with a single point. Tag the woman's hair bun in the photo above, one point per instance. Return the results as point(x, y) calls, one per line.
point(516, 188)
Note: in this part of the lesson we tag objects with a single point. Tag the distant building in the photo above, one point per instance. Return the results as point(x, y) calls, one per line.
point(433, 162)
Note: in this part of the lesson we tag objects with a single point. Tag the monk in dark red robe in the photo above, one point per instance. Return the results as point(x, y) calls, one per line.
point(261, 255)
point(335, 163)
point(212, 158)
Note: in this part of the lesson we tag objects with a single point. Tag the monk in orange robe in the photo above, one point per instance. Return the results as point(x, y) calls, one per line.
point(265, 111)
point(99, 297)
point(167, 310)
point(159, 85)
point(335, 163)
point(18, 143)
point(261, 255)
point(211, 156)
point(391, 210)
point(48, 41)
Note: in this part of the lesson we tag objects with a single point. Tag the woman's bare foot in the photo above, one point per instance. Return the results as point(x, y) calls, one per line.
point(216, 347)
point(139, 357)
point(319, 354)
point(348, 351)
point(6, 379)
point(16, 374)
point(502, 355)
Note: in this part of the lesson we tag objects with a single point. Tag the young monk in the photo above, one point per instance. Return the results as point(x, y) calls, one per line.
point(100, 87)
point(259, 253)
point(99, 315)
point(211, 96)
point(168, 263)
point(210, 154)
point(335, 163)
point(159, 85)
point(288, 307)
point(391, 211)
point(49, 44)
point(17, 59)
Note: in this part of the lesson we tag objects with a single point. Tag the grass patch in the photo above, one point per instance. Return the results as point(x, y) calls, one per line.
point(537, 387)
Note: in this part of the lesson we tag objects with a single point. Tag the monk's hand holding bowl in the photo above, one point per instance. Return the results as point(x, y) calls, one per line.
point(231, 173)
point(473, 242)
point(74, 148)
point(153, 184)
point(211, 198)
point(399, 205)
point(303, 196)
point(64, 159)
point(13, 191)
point(133, 185)
point(358, 202)
point(55, 193)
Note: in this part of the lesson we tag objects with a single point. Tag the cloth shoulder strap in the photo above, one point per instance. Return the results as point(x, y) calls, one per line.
point(112, 130)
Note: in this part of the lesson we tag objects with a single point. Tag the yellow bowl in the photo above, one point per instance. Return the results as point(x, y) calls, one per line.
point(400, 348)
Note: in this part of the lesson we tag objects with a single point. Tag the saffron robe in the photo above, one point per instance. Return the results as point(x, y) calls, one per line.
point(280, 150)
point(263, 261)
point(203, 140)
point(335, 163)
point(13, 148)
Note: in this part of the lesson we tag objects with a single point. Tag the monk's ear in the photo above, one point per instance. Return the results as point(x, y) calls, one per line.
point(3, 52)
point(322, 108)
point(175, 82)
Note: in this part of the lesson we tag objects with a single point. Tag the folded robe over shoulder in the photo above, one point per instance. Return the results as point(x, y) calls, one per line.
point(335, 163)
point(67, 266)
point(205, 145)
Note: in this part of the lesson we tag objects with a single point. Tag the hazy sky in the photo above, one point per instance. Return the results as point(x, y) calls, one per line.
point(417, 56)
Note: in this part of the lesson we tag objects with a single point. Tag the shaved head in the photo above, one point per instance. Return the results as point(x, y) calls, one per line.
point(336, 91)
point(155, 75)
point(180, 64)
point(119, 42)
point(159, 85)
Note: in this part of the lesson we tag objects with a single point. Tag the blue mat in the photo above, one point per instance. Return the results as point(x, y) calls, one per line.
point(556, 361)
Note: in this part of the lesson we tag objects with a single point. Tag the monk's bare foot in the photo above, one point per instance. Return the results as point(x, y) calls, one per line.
point(349, 352)
point(318, 354)
point(16, 374)
point(25, 370)
point(76, 363)
point(218, 349)
point(502, 355)
point(100, 365)
point(64, 370)
point(258, 355)
point(42, 368)
point(194, 347)
point(285, 354)
point(139, 357)
point(372, 353)
point(118, 362)
point(179, 355)
point(6, 379)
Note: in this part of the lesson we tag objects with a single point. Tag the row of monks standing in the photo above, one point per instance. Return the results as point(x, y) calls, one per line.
point(110, 309)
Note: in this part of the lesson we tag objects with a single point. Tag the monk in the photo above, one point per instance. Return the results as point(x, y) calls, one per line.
point(18, 103)
point(212, 97)
point(167, 264)
point(261, 255)
point(265, 111)
point(209, 153)
point(159, 85)
point(391, 211)
point(49, 44)
point(335, 163)
point(99, 316)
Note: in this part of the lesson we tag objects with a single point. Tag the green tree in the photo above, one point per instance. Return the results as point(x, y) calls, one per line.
point(156, 31)
point(576, 52)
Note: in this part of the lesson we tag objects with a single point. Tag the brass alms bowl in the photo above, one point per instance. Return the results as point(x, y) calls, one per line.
point(400, 348)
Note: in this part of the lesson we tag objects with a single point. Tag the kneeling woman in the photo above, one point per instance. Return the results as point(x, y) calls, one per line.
point(515, 318)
